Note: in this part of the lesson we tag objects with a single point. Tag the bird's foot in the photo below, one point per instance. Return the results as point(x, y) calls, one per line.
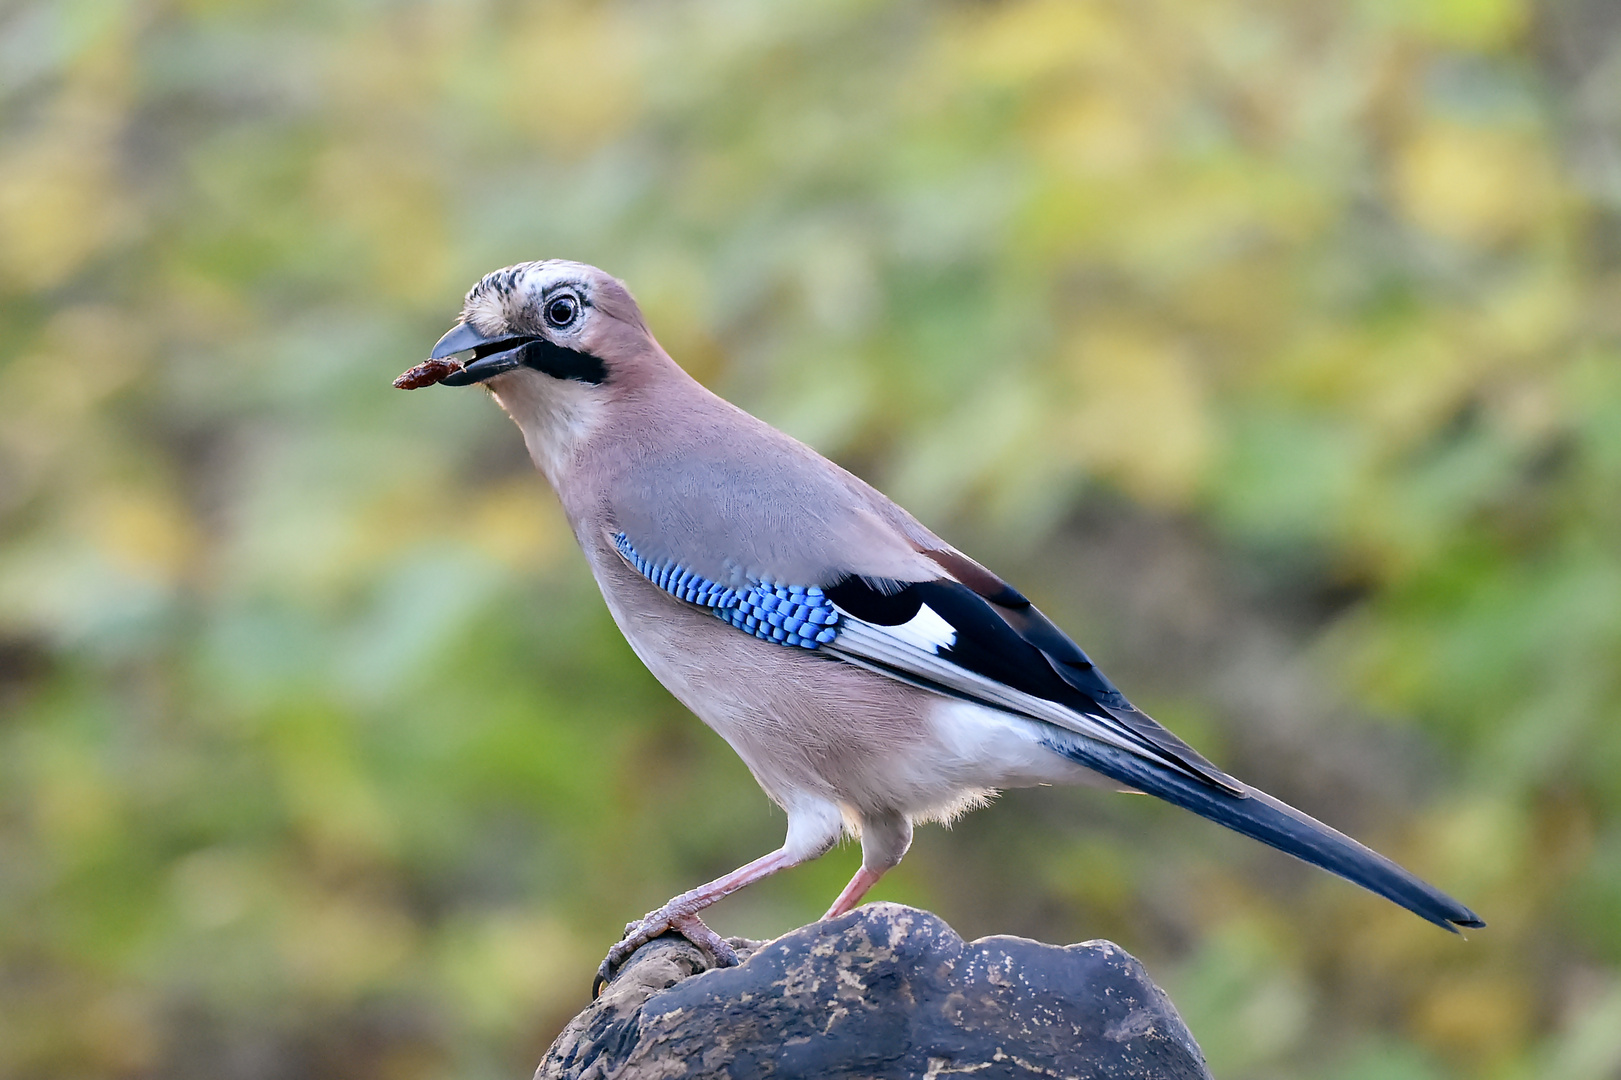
point(655, 923)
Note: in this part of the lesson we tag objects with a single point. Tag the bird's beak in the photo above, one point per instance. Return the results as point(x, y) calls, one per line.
point(491, 355)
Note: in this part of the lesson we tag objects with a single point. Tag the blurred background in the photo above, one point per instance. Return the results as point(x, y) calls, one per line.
point(1271, 347)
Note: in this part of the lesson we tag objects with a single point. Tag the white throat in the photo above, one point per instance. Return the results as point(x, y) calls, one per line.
point(555, 415)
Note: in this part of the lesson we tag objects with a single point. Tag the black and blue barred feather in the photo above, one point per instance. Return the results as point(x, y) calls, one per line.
point(796, 615)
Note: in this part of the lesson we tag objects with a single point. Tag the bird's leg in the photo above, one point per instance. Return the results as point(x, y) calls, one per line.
point(814, 825)
point(853, 892)
point(681, 915)
point(884, 839)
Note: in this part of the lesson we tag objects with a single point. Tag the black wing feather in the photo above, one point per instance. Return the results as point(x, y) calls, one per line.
point(1013, 643)
point(1073, 666)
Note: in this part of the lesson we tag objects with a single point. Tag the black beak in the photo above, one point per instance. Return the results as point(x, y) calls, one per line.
point(491, 355)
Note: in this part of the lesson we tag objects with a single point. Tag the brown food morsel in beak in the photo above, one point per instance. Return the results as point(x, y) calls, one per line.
point(426, 374)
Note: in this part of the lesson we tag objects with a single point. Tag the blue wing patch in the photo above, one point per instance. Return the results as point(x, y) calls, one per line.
point(786, 614)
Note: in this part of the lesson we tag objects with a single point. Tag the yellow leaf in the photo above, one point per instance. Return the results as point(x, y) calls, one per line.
point(518, 523)
point(58, 207)
point(1472, 185)
point(146, 534)
point(1476, 1018)
point(571, 77)
point(1141, 411)
point(1019, 41)
point(1480, 24)
point(1094, 134)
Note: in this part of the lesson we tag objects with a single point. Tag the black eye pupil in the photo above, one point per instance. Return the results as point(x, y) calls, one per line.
point(560, 312)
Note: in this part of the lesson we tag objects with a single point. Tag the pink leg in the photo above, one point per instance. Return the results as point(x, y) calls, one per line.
point(884, 839)
point(681, 915)
point(853, 892)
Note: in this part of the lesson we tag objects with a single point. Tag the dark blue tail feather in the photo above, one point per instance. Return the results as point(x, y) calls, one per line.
point(1277, 824)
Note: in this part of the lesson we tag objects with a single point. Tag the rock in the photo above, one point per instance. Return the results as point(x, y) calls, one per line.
point(884, 992)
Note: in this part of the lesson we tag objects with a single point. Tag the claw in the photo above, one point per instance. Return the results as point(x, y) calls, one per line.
point(636, 935)
point(640, 933)
point(696, 931)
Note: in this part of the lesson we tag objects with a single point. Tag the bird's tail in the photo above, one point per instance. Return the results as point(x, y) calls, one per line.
point(1278, 824)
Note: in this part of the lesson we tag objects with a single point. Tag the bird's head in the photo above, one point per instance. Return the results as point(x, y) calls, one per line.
point(563, 320)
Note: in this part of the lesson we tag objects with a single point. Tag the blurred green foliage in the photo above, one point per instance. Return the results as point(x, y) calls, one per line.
point(1271, 346)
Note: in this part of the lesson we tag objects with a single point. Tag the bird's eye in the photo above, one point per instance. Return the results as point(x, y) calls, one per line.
point(562, 310)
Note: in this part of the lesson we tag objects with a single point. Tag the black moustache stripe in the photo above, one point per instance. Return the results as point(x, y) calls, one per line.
point(560, 363)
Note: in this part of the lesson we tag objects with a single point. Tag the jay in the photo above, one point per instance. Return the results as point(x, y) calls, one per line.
point(870, 675)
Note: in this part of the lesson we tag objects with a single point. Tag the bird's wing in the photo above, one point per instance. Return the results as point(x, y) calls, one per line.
point(1000, 650)
point(941, 633)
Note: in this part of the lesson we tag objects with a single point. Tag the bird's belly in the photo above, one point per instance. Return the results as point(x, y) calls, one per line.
point(800, 720)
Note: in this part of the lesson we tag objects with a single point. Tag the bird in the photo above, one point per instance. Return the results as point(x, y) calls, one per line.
point(870, 675)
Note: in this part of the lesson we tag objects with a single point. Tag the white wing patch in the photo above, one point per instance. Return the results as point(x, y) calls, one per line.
point(918, 651)
point(910, 656)
point(925, 630)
